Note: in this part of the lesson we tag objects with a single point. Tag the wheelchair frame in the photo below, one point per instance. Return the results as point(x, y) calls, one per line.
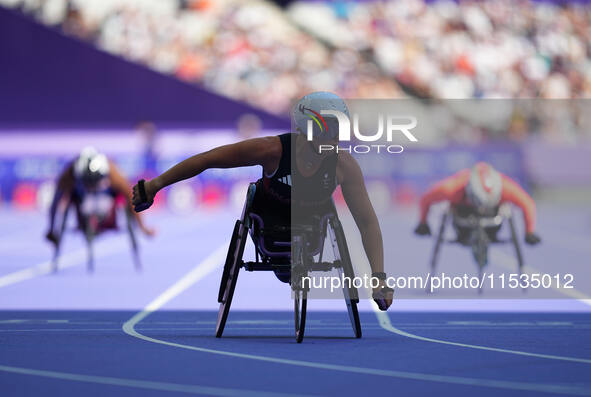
point(90, 235)
point(479, 240)
point(298, 261)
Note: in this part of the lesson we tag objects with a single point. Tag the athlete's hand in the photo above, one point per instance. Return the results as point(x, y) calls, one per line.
point(383, 296)
point(148, 231)
point(142, 199)
point(532, 238)
point(423, 229)
point(51, 237)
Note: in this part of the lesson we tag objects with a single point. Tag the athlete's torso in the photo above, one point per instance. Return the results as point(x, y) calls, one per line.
point(98, 202)
point(286, 186)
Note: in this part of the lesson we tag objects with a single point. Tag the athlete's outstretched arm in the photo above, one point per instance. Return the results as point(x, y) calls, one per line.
point(257, 151)
point(513, 193)
point(357, 199)
point(449, 189)
point(442, 191)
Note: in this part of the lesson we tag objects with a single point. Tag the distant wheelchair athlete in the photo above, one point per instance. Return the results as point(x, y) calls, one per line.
point(307, 181)
point(479, 204)
point(94, 187)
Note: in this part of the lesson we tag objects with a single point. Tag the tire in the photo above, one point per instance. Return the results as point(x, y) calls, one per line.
point(90, 235)
point(351, 295)
point(517, 247)
point(133, 240)
point(298, 272)
point(300, 303)
point(55, 261)
point(231, 278)
point(437, 248)
point(354, 317)
point(228, 262)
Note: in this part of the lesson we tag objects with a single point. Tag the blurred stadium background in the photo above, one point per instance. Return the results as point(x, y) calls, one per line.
point(152, 81)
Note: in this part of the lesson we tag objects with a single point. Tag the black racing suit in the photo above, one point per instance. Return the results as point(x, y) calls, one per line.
point(286, 195)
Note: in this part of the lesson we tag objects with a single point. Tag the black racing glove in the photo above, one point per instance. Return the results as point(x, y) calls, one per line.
point(140, 199)
point(52, 237)
point(423, 229)
point(532, 238)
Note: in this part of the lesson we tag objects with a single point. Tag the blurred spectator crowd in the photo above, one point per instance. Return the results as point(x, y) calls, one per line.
point(465, 49)
point(257, 52)
point(246, 50)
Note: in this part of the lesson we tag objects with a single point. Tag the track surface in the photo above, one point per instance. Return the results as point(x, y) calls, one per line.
point(79, 334)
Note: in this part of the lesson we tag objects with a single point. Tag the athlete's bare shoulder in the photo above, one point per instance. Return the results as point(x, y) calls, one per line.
point(66, 179)
point(271, 144)
point(270, 151)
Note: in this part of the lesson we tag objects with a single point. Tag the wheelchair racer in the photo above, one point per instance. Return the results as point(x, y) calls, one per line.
point(94, 185)
point(479, 191)
point(316, 175)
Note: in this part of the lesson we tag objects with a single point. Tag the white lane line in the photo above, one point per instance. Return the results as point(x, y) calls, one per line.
point(361, 263)
point(104, 246)
point(208, 328)
point(384, 321)
point(217, 258)
point(463, 324)
point(166, 329)
point(195, 275)
point(74, 258)
point(137, 383)
point(209, 264)
point(509, 262)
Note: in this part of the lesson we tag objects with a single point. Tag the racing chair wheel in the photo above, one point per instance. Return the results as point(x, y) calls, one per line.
point(480, 242)
point(230, 275)
point(299, 270)
point(437, 248)
point(89, 234)
point(351, 294)
point(515, 242)
point(133, 240)
point(227, 263)
point(300, 303)
point(55, 261)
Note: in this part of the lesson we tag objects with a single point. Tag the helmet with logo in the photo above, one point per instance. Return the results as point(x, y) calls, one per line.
point(484, 187)
point(307, 111)
point(91, 166)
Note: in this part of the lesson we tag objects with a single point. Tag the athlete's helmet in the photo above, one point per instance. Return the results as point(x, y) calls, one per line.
point(308, 109)
point(91, 166)
point(484, 187)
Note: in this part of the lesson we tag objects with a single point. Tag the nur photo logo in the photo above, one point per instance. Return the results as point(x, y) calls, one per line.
point(388, 127)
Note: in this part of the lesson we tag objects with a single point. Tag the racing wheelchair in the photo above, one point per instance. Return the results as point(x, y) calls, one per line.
point(477, 232)
point(92, 225)
point(289, 251)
